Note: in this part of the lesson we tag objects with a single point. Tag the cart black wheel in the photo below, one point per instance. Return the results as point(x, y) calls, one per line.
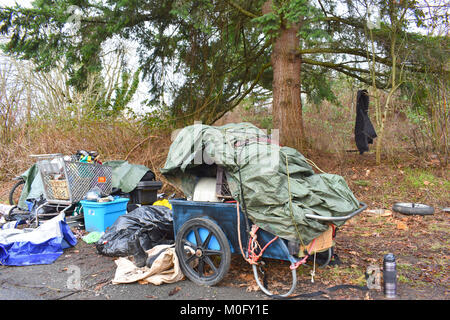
point(203, 251)
point(326, 258)
point(323, 258)
point(16, 190)
point(412, 208)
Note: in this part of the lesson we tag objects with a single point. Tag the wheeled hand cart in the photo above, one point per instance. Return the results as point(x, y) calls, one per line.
point(207, 233)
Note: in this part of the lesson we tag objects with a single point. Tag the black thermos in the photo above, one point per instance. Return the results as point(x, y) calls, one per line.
point(390, 276)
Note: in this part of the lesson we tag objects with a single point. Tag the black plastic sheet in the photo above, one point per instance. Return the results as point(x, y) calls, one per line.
point(152, 225)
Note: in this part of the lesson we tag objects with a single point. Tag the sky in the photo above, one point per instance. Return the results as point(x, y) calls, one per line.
point(143, 89)
point(13, 2)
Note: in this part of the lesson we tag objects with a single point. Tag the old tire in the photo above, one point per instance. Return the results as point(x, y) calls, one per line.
point(203, 251)
point(16, 190)
point(412, 208)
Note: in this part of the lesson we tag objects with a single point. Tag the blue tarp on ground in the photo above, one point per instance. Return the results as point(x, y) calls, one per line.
point(43, 245)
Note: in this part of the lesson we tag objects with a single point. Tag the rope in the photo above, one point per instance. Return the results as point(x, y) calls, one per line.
point(314, 165)
point(290, 201)
point(300, 262)
point(239, 230)
point(253, 243)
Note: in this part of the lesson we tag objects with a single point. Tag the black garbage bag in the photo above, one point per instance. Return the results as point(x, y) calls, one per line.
point(152, 225)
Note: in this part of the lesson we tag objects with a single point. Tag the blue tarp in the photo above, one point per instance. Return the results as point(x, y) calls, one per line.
point(43, 245)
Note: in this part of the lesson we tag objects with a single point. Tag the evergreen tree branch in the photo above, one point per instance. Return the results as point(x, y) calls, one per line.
point(242, 10)
point(352, 72)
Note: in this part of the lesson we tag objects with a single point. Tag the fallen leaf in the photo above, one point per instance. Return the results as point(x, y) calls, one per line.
point(375, 234)
point(402, 226)
point(386, 213)
point(252, 288)
point(435, 161)
point(100, 285)
point(174, 291)
point(426, 182)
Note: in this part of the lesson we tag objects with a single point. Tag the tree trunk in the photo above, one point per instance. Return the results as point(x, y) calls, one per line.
point(287, 104)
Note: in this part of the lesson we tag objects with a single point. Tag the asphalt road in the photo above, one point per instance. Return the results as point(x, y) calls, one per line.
point(95, 271)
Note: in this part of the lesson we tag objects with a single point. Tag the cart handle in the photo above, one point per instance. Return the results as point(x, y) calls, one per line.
point(317, 217)
point(47, 155)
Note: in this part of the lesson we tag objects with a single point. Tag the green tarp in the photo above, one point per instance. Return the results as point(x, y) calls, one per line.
point(278, 184)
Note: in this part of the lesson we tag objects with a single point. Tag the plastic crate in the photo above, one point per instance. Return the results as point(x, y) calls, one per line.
point(145, 192)
point(98, 216)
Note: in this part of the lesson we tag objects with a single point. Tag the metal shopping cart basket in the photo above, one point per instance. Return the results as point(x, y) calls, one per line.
point(66, 180)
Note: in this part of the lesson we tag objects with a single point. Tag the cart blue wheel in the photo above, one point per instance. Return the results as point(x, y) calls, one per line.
point(203, 251)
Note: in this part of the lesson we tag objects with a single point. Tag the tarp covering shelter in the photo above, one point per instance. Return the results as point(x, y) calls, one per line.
point(278, 184)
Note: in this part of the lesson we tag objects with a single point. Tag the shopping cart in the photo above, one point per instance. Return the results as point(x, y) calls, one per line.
point(66, 180)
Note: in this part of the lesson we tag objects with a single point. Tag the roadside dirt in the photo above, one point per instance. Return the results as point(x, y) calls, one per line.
point(419, 243)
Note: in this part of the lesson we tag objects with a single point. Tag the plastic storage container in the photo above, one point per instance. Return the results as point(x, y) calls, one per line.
point(145, 192)
point(100, 215)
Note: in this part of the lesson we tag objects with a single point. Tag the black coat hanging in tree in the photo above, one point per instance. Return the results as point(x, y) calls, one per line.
point(364, 130)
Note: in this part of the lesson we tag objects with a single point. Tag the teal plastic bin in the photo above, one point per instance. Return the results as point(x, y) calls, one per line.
point(100, 215)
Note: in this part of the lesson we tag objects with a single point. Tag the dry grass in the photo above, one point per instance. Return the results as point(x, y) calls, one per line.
point(329, 133)
point(113, 140)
